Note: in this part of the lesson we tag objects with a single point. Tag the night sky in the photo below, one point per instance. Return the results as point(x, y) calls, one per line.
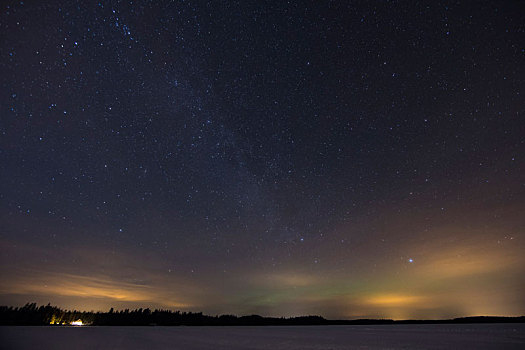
point(269, 157)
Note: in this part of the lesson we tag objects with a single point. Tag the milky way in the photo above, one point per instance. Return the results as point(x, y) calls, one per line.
point(312, 157)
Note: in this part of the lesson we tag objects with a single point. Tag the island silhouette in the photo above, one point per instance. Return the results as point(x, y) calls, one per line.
point(47, 315)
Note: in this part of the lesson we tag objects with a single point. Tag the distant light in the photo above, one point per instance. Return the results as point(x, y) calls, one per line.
point(77, 323)
point(410, 260)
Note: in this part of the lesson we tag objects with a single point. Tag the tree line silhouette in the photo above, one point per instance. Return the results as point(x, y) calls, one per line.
point(33, 315)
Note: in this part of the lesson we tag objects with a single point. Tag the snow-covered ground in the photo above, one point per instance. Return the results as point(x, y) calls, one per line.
point(477, 336)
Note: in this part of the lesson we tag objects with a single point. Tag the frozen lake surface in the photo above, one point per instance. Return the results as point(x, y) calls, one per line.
point(469, 336)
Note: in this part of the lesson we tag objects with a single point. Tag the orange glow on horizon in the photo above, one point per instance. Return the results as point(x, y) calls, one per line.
point(390, 300)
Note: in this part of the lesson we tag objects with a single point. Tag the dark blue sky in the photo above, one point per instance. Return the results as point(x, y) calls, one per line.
point(266, 157)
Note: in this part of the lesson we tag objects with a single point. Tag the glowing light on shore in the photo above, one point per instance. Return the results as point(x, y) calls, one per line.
point(77, 323)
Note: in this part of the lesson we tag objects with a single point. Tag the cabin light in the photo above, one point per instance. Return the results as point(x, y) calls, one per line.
point(77, 323)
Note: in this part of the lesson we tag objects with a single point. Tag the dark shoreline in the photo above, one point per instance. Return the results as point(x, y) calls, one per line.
point(33, 315)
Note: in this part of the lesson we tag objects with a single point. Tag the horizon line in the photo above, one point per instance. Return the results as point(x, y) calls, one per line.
point(265, 317)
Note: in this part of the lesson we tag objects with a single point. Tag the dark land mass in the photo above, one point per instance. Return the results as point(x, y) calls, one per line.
point(33, 315)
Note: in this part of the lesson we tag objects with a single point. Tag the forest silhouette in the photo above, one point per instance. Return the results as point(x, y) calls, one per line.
point(33, 315)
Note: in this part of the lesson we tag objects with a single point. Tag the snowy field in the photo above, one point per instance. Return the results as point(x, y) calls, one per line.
point(477, 336)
